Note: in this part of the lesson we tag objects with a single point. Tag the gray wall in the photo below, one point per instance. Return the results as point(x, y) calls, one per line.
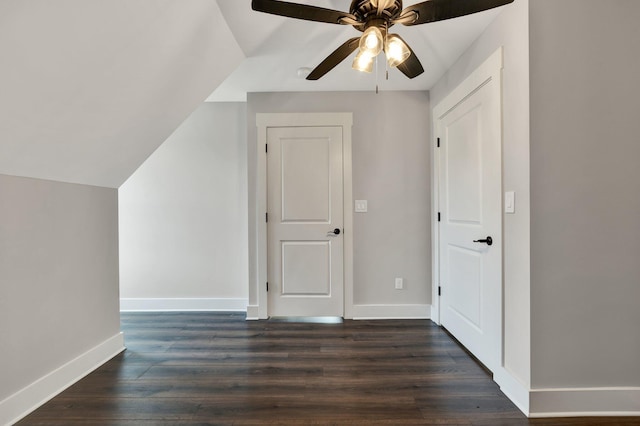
point(391, 169)
point(58, 275)
point(183, 213)
point(510, 30)
point(585, 193)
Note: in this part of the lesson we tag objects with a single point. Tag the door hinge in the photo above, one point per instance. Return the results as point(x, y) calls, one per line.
point(267, 285)
point(266, 147)
point(438, 142)
point(266, 217)
point(438, 216)
point(439, 291)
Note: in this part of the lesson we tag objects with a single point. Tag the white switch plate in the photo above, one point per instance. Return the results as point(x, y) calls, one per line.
point(510, 202)
point(399, 284)
point(361, 206)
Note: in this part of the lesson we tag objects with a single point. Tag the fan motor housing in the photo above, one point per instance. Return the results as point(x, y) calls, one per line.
point(365, 12)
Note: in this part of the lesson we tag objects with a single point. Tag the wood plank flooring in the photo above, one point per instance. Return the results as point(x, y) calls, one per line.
point(218, 369)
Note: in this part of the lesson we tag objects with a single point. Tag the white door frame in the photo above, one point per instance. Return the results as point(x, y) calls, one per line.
point(265, 121)
point(490, 70)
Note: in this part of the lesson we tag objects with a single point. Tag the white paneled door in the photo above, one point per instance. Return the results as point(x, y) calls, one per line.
point(305, 221)
point(470, 227)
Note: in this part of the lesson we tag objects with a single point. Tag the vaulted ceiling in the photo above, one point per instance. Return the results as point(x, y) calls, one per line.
point(90, 88)
point(275, 47)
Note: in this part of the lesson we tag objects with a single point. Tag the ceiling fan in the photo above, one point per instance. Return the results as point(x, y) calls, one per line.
point(374, 18)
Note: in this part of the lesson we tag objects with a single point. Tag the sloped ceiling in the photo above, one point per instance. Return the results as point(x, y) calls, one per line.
point(276, 47)
point(90, 88)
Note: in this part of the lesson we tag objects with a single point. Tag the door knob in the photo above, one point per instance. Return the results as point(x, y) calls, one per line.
point(487, 240)
point(334, 232)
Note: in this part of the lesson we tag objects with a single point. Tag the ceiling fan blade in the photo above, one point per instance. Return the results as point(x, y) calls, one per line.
point(439, 10)
point(302, 11)
point(338, 55)
point(411, 67)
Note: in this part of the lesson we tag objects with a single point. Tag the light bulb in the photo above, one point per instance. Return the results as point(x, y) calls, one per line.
point(363, 62)
point(371, 41)
point(396, 50)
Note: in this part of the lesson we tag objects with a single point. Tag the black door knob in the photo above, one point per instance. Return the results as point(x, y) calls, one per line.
point(336, 231)
point(487, 240)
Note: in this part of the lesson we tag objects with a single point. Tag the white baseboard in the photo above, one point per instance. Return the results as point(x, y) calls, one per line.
point(569, 402)
point(253, 312)
point(580, 402)
point(362, 312)
point(26, 400)
point(435, 315)
point(183, 304)
point(517, 392)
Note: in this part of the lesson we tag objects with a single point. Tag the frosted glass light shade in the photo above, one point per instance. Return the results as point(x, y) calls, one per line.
point(363, 62)
point(396, 50)
point(371, 41)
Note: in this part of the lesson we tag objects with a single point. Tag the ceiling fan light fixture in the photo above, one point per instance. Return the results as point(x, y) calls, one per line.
point(371, 41)
point(396, 50)
point(363, 62)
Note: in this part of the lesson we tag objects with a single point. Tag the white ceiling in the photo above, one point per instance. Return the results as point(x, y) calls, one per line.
point(275, 47)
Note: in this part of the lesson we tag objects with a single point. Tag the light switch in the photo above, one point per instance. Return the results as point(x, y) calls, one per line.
point(510, 202)
point(361, 206)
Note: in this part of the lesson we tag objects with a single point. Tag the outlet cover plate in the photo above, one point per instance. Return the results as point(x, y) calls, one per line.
point(399, 284)
point(361, 206)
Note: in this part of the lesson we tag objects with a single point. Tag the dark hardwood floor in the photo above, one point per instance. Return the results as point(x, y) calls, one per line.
point(216, 368)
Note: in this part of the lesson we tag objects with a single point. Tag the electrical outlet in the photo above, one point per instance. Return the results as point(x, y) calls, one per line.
point(399, 284)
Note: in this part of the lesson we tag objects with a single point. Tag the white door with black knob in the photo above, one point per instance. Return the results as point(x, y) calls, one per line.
point(470, 227)
point(305, 221)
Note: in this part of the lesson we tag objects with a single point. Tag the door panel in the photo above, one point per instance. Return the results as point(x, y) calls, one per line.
point(465, 269)
point(305, 203)
point(470, 200)
point(306, 180)
point(305, 268)
point(464, 169)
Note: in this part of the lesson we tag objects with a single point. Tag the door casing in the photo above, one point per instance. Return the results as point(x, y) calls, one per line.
point(263, 122)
